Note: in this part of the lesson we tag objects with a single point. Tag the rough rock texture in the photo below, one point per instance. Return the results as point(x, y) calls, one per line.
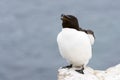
point(112, 73)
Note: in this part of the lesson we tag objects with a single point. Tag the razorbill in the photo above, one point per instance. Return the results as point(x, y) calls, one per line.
point(75, 43)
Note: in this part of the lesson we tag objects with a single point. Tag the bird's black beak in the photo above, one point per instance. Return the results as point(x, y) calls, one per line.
point(62, 16)
point(65, 17)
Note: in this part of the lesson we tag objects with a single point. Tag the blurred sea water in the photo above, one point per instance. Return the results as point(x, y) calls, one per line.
point(28, 31)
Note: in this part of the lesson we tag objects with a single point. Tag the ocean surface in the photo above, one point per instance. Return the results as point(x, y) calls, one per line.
point(28, 31)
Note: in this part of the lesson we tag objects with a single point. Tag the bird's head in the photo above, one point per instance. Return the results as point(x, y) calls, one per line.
point(70, 21)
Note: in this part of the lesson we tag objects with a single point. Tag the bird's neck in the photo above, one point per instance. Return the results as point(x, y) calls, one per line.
point(72, 27)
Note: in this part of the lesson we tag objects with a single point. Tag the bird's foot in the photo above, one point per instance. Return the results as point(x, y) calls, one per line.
point(68, 66)
point(80, 71)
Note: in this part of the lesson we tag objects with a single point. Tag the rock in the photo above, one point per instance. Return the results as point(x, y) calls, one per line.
point(112, 73)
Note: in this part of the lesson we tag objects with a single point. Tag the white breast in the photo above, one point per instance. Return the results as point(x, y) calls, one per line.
point(74, 46)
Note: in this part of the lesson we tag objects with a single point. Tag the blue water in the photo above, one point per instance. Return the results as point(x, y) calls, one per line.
point(28, 31)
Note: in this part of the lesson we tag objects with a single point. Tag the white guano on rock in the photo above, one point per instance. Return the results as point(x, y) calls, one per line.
point(112, 73)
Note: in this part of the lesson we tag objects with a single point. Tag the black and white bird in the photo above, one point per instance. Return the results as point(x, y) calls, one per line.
point(75, 43)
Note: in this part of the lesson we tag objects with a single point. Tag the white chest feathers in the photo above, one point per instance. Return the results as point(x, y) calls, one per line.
point(75, 46)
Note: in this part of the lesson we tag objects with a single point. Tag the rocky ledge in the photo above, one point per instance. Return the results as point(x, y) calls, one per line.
point(112, 73)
